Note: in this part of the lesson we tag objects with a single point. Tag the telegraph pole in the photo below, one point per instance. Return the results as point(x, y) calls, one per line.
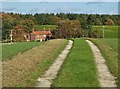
point(103, 32)
point(11, 38)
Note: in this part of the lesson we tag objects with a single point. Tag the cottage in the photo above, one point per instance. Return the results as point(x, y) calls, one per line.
point(40, 35)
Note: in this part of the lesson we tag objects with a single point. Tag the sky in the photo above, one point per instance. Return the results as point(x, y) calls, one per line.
point(40, 6)
point(60, 0)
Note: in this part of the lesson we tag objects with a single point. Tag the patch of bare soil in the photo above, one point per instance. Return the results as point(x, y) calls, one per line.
point(105, 77)
point(15, 71)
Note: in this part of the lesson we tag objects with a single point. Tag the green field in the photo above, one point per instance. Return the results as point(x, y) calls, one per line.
point(79, 69)
point(109, 50)
point(47, 27)
point(109, 31)
point(25, 69)
point(10, 50)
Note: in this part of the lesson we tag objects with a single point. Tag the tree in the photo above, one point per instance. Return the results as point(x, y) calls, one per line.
point(89, 23)
point(18, 33)
point(27, 25)
point(68, 29)
point(56, 20)
point(84, 22)
point(66, 22)
point(12, 21)
point(109, 21)
point(7, 25)
point(97, 22)
point(62, 16)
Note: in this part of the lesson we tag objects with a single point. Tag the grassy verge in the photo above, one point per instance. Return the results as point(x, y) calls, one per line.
point(47, 27)
point(24, 70)
point(79, 69)
point(10, 50)
point(109, 50)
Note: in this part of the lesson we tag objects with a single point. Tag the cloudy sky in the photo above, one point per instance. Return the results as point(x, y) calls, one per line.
point(59, 0)
point(40, 6)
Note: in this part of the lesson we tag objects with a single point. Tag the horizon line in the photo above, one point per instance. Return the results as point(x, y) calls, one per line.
point(62, 13)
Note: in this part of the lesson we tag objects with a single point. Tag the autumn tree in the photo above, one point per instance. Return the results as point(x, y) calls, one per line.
point(56, 20)
point(14, 22)
point(18, 33)
point(68, 29)
point(7, 25)
point(109, 21)
point(27, 25)
point(65, 23)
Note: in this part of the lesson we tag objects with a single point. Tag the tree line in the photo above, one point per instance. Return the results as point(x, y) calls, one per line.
point(67, 25)
point(48, 19)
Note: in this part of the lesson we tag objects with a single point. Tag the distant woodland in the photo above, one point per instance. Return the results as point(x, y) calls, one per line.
point(67, 25)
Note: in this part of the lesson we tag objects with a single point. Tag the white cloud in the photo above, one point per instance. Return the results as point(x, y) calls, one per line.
point(10, 0)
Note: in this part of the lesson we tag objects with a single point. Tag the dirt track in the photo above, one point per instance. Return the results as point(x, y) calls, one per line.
point(46, 79)
point(104, 75)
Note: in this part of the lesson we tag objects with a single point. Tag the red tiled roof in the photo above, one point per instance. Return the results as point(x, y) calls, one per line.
point(41, 32)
